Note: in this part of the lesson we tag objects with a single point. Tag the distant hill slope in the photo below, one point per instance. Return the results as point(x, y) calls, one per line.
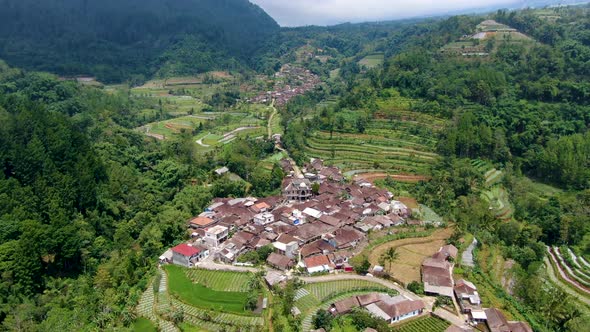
point(113, 39)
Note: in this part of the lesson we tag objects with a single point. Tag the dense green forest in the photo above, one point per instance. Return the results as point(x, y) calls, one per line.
point(87, 203)
point(134, 39)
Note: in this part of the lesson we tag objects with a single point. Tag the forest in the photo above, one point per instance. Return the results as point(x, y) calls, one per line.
point(133, 40)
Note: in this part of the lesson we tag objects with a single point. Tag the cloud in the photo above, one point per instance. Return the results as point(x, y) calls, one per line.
point(326, 12)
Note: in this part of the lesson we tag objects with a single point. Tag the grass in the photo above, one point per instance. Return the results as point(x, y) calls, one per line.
point(372, 60)
point(200, 296)
point(143, 325)
point(429, 324)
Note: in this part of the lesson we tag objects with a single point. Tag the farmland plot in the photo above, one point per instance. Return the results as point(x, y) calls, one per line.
point(429, 324)
point(225, 281)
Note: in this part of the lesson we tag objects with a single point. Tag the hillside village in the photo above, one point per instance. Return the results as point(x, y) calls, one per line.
point(290, 81)
point(317, 224)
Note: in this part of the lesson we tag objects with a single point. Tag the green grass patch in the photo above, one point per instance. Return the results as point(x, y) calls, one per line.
point(202, 297)
point(143, 325)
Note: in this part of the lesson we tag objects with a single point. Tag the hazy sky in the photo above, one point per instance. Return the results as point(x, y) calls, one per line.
point(325, 12)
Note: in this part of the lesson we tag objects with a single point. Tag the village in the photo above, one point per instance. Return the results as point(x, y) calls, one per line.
point(291, 81)
point(317, 224)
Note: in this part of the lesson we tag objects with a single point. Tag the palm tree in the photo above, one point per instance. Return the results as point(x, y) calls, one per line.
point(390, 256)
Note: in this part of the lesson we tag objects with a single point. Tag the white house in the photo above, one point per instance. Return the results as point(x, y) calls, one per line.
point(264, 218)
point(187, 255)
point(396, 309)
point(216, 235)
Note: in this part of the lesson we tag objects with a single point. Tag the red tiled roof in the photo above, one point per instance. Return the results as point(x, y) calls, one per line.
point(201, 221)
point(186, 250)
point(314, 261)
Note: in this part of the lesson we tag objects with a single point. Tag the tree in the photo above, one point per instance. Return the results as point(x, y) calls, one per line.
point(323, 319)
point(416, 287)
point(390, 256)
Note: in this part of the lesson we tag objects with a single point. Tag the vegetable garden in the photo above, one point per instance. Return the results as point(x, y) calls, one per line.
point(430, 324)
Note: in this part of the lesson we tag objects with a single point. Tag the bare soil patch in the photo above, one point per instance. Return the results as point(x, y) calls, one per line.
point(412, 252)
point(410, 202)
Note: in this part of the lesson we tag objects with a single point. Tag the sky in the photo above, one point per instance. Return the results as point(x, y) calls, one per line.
point(328, 12)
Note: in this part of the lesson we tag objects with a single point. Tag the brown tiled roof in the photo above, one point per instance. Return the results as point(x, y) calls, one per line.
point(495, 319)
point(519, 327)
point(400, 308)
point(449, 250)
point(332, 221)
point(286, 239)
point(345, 236)
point(367, 299)
point(436, 276)
point(280, 261)
point(346, 305)
point(315, 247)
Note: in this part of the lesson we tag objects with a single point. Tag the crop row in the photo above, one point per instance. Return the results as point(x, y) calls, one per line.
point(371, 145)
point(325, 290)
point(565, 262)
point(218, 317)
point(368, 156)
point(220, 280)
point(371, 149)
point(372, 139)
point(430, 324)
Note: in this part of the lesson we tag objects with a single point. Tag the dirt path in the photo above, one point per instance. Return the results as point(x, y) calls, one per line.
point(565, 288)
point(467, 257)
point(200, 141)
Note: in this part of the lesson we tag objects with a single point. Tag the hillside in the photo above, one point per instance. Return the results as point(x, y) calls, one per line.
point(116, 39)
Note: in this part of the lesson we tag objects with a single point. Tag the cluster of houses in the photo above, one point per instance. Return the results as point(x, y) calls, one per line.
point(292, 81)
point(316, 224)
point(391, 309)
point(437, 276)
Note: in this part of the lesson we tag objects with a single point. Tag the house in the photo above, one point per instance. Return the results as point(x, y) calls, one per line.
point(298, 190)
point(166, 257)
point(286, 245)
point(200, 222)
point(497, 322)
point(186, 255)
point(436, 275)
point(319, 263)
point(345, 306)
point(467, 296)
point(274, 277)
point(216, 235)
point(260, 207)
point(344, 238)
point(396, 309)
point(280, 262)
point(312, 213)
point(449, 251)
point(400, 209)
point(391, 309)
point(310, 232)
point(264, 218)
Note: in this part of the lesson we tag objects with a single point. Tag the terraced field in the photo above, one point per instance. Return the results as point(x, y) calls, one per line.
point(495, 194)
point(220, 280)
point(429, 324)
point(314, 296)
point(383, 149)
point(573, 269)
